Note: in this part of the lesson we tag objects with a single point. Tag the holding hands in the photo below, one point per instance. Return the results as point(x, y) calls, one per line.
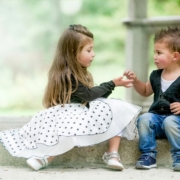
point(121, 81)
point(130, 75)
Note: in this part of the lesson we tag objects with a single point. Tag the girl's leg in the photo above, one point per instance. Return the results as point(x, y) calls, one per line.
point(114, 144)
point(111, 157)
point(37, 164)
point(50, 159)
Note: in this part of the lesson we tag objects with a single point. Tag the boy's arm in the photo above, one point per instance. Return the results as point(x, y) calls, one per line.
point(144, 89)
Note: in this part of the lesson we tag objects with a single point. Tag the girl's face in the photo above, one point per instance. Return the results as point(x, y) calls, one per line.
point(87, 54)
point(163, 56)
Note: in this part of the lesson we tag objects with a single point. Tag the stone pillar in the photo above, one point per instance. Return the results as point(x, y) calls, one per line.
point(137, 47)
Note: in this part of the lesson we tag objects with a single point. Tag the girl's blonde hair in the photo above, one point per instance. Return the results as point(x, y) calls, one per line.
point(65, 65)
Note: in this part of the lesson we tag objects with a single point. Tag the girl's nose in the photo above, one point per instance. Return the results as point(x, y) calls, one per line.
point(155, 56)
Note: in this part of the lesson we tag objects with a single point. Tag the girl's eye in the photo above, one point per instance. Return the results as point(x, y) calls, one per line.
point(158, 52)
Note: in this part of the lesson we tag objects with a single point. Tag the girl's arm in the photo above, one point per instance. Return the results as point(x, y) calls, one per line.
point(86, 94)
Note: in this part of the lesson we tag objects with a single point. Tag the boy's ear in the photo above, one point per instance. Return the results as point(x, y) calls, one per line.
point(176, 56)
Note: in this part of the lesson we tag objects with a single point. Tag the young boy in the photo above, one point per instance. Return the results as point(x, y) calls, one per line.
point(163, 118)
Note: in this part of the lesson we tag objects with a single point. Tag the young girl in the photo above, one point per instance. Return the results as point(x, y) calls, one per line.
point(78, 113)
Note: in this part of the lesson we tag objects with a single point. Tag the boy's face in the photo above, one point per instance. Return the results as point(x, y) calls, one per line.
point(163, 56)
point(86, 55)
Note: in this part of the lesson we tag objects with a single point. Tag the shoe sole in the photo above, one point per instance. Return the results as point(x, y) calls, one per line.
point(176, 168)
point(139, 166)
point(116, 167)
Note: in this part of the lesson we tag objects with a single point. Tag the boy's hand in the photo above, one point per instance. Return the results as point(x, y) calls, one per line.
point(130, 75)
point(175, 107)
point(121, 81)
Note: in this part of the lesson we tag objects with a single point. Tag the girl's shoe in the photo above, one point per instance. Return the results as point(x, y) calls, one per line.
point(37, 164)
point(113, 160)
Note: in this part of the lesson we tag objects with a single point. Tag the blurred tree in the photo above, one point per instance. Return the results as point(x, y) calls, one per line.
point(30, 29)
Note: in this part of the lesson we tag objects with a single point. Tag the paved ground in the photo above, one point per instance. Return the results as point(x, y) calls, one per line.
point(58, 173)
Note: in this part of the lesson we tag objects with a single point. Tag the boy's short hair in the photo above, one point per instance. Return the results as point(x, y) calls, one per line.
point(170, 36)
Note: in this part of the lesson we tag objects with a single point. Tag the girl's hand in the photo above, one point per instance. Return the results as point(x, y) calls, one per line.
point(130, 75)
point(121, 81)
point(175, 107)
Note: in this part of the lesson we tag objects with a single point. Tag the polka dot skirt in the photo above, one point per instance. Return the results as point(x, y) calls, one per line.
point(73, 122)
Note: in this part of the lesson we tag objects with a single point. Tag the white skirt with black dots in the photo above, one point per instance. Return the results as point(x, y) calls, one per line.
point(58, 129)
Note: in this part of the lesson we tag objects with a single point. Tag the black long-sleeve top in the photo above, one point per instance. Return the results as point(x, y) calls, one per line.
point(84, 94)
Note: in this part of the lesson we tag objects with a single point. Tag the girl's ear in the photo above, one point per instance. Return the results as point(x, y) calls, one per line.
point(176, 56)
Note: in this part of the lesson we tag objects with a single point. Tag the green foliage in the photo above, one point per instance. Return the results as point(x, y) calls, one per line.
point(163, 7)
point(30, 29)
point(100, 8)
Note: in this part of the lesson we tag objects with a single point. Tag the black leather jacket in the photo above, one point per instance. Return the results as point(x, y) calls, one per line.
point(162, 100)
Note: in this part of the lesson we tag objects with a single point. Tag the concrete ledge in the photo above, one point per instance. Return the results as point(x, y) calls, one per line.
point(84, 156)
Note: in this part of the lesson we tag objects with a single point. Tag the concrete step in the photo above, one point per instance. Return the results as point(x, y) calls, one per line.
point(84, 156)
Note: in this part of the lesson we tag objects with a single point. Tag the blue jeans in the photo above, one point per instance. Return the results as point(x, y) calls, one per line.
point(151, 126)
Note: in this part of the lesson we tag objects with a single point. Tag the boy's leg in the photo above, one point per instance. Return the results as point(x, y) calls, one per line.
point(171, 126)
point(149, 126)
